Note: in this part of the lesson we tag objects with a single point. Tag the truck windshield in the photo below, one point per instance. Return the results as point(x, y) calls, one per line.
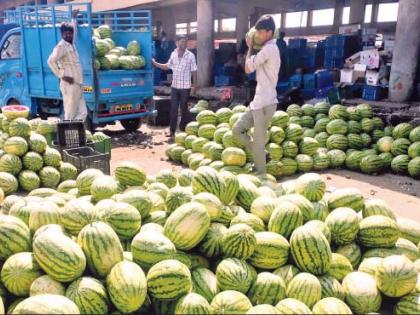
point(11, 47)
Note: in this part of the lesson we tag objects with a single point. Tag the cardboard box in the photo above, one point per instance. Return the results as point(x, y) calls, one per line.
point(360, 67)
point(372, 77)
point(349, 29)
point(370, 58)
point(350, 75)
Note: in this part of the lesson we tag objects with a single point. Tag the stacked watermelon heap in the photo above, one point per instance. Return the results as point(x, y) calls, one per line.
point(26, 161)
point(305, 138)
point(204, 242)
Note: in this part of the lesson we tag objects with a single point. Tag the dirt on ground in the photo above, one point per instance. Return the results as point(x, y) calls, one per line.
point(147, 148)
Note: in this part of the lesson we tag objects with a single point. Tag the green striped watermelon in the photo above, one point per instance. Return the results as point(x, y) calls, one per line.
point(287, 273)
point(331, 287)
point(52, 157)
point(340, 267)
point(343, 223)
point(76, 214)
point(138, 199)
point(192, 303)
point(100, 258)
point(239, 241)
point(11, 164)
point(233, 157)
point(206, 117)
point(310, 250)
point(230, 302)
point(268, 288)
point(320, 210)
point(37, 143)
point(18, 273)
point(14, 235)
point(338, 111)
point(50, 177)
point(311, 186)
point(414, 135)
point(16, 146)
point(271, 251)
point(280, 119)
point(337, 141)
point(337, 126)
point(103, 187)
point(309, 109)
point(321, 226)
point(409, 229)
point(353, 113)
point(249, 219)
point(331, 305)
point(396, 276)
point(305, 206)
point(352, 251)
point(290, 149)
point(130, 174)
point(294, 132)
point(292, 306)
point(414, 150)
point(402, 130)
point(378, 231)
point(370, 265)
point(89, 294)
point(43, 213)
point(322, 138)
point(67, 266)
point(127, 286)
point(414, 167)
point(176, 197)
point(187, 225)
point(277, 134)
point(168, 279)
point(46, 285)
point(306, 288)
point(346, 197)
point(308, 146)
point(85, 179)
point(46, 304)
point(223, 115)
point(206, 131)
point(409, 304)
point(304, 162)
point(376, 206)
point(400, 146)
point(307, 121)
point(361, 292)
point(204, 283)
point(234, 274)
point(285, 218)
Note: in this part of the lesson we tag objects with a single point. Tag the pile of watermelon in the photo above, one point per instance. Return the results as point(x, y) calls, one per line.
point(302, 139)
point(204, 242)
point(26, 160)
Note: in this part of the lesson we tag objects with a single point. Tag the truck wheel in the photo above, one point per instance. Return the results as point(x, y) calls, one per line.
point(131, 124)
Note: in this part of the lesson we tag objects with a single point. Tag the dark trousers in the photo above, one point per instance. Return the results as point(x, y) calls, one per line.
point(179, 98)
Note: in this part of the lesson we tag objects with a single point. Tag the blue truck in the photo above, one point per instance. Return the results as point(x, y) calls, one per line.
point(111, 95)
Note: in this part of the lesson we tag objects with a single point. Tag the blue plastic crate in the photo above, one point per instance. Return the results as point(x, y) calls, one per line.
point(223, 80)
point(157, 76)
point(296, 80)
point(372, 92)
point(322, 93)
point(324, 79)
point(224, 70)
point(282, 87)
point(309, 81)
point(297, 43)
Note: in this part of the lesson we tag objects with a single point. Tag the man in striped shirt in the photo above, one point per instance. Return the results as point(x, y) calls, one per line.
point(65, 64)
point(183, 66)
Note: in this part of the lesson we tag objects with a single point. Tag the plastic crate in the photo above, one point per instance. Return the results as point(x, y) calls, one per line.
point(309, 81)
point(324, 79)
point(71, 133)
point(103, 146)
point(297, 43)
point(86, 157)
point(223, 80)
point(308, 93)
point(372, 92)
point(59, 148)
point(296, 80)
point(282, 87)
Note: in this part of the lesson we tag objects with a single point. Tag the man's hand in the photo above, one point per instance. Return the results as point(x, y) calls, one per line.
point(75, 13)
point(69, 80)
point(193, 90)
point(249, 42)
point(154, 61)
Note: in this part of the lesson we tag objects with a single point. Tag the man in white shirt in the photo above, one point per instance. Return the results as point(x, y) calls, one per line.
point(65, 64)
point(266, 63)
point(183, 65)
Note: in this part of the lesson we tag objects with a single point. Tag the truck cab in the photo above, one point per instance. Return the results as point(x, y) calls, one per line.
point(111, 95)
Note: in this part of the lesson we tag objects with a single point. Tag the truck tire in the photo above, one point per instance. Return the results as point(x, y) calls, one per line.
point(131, 124)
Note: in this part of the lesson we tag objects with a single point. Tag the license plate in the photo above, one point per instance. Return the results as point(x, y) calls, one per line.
point(125, 107)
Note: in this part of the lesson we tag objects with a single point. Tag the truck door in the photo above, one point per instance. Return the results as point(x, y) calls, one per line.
point(11, 78)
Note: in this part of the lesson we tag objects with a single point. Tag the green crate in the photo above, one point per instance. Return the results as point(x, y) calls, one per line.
point(50, 137)
point(103, 146)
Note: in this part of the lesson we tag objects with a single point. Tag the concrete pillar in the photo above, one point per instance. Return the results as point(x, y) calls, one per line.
point(357, 11)
point(205, 42)
point(168, 24)
point(338, 13)
point(406, 51)
point(242, 22)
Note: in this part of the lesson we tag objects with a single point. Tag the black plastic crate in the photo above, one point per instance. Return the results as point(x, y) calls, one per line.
point(71, 133)
point(86, 157)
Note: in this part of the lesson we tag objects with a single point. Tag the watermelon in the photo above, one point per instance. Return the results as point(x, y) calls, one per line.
point(233, 157)
point(340, 267)
point(239, 241)
point(11, 164)
point(139, 199)
point(277, 134)
point(409, 229)
point(331, 305)
point(67, 266)
point(376, 206)
point(15, 145)
point(321, 160)
point(129, 174)
point(304, 162)
point(50, 177)
point(287, 273)
point(85, 179)
point(76, 214)
point(322, 107)
point(192, 128)
point(310, 250)
point(338, 111)
point(103, 187)
point(337, 126)
point(407, 248)
point(321, 226)
point(294, 110)
point(15, 234)
point(308, 146)
point(353, 113)
point(46, 304)
point(268, 288)
point(321, 125)
point(414, 167)
point(352, 251)
point(180, 138)
point(204, 283)
point(280, 119)
point(396, 276)
point(206, 131)
point(8, 183)
point(271, 251)
point(187, 225)
point(206, 117)
point(354, 127)
point(127, 286)
point(263, 207)
point(151, 248)
point(18, 273)
point(311, 186)
point(223, 115)
point(408, 304)
point(219, 133)
point(292, 306)
point(343, 223)
point(355, 141)
point(52, 157)
point(370, 265)
point(100, 258)
point(263, 309)
point(304, 205)
point(331, 287)
point(337, 158)
point(234, 274)
point(378, 231)
point(42, 213)
point(249, 219)
point(337, 141)
point(176, 197)
point(67, 171)
point(414, 150)
point(192, 303)
point(402, 130)
point(46, 285)
point(346, 197)
point(294, 132)
point(306, 288)
point(400, 146)
point(169, 279)
point(400, 163)
point(89, 294)
point(290, 149)
point(414, 135)
point(230, 302)
point(322, 138)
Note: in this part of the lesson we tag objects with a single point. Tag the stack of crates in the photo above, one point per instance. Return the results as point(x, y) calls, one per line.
point(338, 48)
point(296, 81)
point(224, 75)
point(309, 86)
point(310, 58)
point(324, 82)
point(296, 54)
point(372, 92)
point(320, 54)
